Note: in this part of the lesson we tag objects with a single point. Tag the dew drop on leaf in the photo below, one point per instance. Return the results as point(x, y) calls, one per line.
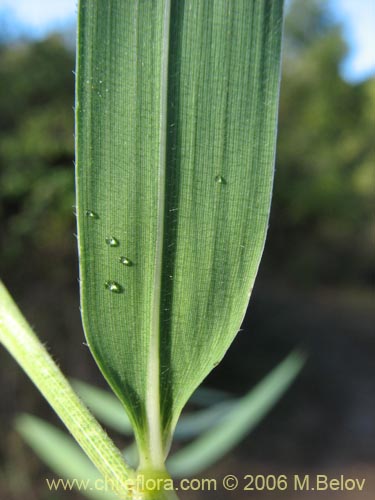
point(112, 241)
point(91, 214)
point(113, 286)
point(219, 179)
point(125, 261)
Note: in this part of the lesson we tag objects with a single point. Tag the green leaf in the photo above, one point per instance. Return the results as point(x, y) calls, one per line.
point(110, 412)
point(207, 396)
point(192, 424)
point(175, 136)
point(238, 421)
point(131, 454)
point(106, 407)
point(63, 455)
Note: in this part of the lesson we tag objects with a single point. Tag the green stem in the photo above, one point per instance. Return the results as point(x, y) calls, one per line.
point(19, 339)
point(155, 485)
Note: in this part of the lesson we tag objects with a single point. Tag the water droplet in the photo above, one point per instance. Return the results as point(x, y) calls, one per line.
point(91, 214)
point(219, 179)
point(112, 241)
point(113, 286)
point(125, 261)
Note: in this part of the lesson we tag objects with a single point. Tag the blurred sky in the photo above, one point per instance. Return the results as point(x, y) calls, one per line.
point(38, 17)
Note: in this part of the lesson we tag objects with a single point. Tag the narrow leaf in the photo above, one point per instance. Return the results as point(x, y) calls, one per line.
point(176, 118)
point(193, 424)
point(106, 407)
point(63, 455)
point(131, 454)
point(207, 396)
point(238, 421)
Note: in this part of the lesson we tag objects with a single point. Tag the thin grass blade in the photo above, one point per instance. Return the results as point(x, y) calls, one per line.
point(105, 406)
point(238, 421)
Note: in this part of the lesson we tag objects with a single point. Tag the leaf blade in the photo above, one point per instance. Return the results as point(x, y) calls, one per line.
point(184, 192)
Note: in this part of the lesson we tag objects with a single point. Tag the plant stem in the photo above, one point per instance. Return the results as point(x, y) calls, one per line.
point(19, 339)
point(155, 485)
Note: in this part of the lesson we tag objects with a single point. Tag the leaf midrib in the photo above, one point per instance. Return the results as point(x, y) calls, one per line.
point(153, 410)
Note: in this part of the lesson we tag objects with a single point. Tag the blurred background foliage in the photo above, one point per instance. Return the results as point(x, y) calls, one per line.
point(322, 221)
point(36, 151)
point(315, 285)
